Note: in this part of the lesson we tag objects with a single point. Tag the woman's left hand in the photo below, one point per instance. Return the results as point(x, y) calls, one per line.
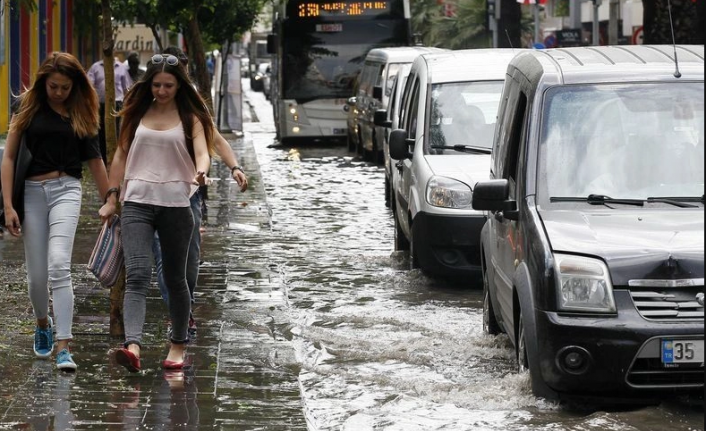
point(240, 179)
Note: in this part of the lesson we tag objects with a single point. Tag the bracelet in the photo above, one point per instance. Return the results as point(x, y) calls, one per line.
point(110, 191)
point(236, 167)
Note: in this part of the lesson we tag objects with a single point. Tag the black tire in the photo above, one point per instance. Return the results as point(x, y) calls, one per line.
point(378, 155)
point(521, 347)
point(388, 193)
point(490, 324)
point(413, 257)
point(351, 144)
point(401, 242)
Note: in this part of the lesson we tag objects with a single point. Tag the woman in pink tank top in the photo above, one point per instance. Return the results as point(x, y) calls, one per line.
point(166, 139)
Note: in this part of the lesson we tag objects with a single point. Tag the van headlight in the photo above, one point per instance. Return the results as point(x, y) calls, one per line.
point(584, 284)
point(448, 193)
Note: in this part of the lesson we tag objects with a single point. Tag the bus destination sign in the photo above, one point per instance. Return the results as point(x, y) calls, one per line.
point(333, 8)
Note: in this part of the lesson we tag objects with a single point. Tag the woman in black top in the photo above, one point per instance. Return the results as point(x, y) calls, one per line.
point(58, 115)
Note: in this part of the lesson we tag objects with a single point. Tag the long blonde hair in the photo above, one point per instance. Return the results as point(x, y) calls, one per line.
point(81, 105)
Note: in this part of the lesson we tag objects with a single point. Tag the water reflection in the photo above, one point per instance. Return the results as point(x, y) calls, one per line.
point(51, 409)
point(126, 412)
point(176, 401)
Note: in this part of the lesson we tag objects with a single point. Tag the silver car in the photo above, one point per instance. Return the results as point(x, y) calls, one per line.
point(446, 126)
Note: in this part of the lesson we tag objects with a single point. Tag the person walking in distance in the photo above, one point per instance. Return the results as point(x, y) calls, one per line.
point(96, 75)
point(166, 139)
point(133, 66)
point(58, 115)
point(225, 152)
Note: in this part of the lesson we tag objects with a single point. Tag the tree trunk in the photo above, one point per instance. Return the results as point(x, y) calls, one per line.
point(509, 25)
point(197, 56)
point(117, 327)
point(687, 20)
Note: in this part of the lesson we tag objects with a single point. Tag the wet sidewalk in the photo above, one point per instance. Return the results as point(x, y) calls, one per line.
point(243, 373)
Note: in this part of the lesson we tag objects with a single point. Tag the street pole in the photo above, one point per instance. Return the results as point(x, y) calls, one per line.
point(613, 22)
point(596, 26)
point(536, 23)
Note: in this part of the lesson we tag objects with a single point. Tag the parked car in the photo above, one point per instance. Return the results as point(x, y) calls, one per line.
point(593, 254)
point(443, 142)
point(372, 91)
point(386, 120)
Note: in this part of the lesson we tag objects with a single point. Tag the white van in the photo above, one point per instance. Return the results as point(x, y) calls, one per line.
point(372, 91)
point(386, 120)
point(446, 127)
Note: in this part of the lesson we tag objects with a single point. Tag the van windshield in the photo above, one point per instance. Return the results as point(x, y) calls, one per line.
point(463, 113)
point(627, 141)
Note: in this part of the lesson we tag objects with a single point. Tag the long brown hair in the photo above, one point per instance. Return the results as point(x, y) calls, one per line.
point(189, 103)
point(81, 105)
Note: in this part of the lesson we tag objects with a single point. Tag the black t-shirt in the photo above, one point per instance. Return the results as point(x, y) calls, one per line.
point(55, 146)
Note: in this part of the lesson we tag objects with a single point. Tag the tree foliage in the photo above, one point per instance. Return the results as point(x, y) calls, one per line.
point(688, 17)
point(468, 27)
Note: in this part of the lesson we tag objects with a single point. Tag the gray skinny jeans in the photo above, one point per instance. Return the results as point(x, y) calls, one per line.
point(52, 209)
point(174, 225)
point(192, 261)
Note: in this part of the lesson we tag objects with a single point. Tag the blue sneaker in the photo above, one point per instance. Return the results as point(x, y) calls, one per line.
point(64, 362)
point(44, 340)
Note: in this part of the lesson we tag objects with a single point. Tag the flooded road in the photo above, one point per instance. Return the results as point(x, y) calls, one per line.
point(307, 321)
point(381, 347)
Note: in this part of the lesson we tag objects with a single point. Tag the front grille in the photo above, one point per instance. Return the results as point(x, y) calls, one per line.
point(650, 372)
point(668, 304)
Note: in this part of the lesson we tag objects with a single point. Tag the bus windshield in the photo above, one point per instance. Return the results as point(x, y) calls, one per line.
point(324, 60)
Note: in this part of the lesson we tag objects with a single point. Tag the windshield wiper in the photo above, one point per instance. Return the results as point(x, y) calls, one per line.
point(598, 200)
point(679, 201)
point(463, 148)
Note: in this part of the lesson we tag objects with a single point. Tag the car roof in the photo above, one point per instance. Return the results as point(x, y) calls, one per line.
point(619, 63)
point(467, 64)
point(399, 54)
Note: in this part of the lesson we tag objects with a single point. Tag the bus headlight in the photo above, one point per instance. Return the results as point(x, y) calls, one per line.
point(448, 193)
point(584, 284)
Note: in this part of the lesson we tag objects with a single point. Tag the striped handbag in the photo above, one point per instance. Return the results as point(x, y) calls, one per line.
point(107, 259)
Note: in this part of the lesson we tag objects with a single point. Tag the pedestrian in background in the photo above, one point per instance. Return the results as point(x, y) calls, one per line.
point(133, 66)
point(225, 152)
point(58, 115)
point(162, 157)
point(96, 75)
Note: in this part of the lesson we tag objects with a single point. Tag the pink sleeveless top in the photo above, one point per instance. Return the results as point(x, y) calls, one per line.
point(159, 170)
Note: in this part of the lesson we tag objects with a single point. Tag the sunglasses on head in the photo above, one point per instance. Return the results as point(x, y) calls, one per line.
point(165, 58)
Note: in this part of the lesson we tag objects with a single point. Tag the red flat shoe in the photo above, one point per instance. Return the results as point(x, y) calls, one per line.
point(128, 360)
point(172, 365)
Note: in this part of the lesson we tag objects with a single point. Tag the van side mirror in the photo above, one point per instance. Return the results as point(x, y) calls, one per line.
point(493, 195)
point(380, 119)
point(399, 145)
point(377, 92)
point(271, 44)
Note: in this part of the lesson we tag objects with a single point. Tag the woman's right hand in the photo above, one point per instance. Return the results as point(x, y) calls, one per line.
point(106, 211)
point(12, 222)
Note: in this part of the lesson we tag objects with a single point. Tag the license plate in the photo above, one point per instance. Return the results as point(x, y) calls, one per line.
point(339, 131)
point(682, 351)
